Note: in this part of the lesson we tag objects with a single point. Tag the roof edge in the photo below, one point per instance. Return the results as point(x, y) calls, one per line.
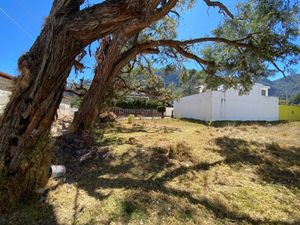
point(7, 76)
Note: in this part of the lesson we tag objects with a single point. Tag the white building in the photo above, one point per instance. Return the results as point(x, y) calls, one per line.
point(6, 86)
point(229, 105)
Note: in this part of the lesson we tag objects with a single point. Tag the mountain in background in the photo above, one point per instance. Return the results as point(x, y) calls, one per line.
point(283, 87)
point(169, 77)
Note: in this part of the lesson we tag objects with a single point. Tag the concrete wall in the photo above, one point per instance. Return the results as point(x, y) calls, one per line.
point(169, 111)
point(289, 112)
point(6, 84)
point(229, 105)
point(4, 98)
point(197, 106)
point(66, 109)
point(63, 108)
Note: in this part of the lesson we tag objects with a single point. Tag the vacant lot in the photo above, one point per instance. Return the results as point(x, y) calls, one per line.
point(176, 172)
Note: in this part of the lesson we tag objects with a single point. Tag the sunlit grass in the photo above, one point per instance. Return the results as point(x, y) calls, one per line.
point(179, 172)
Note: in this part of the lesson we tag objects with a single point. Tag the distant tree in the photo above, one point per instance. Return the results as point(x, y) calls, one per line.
point(137, 89)
point(295, 99)
point(162, 110)
point(190, 81)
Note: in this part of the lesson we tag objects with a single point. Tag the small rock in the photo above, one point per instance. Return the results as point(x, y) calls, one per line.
point(132, 141)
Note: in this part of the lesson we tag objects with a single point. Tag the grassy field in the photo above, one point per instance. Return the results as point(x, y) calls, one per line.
point(176, 172)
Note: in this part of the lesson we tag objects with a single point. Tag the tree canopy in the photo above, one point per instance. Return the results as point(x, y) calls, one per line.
point(268, 29)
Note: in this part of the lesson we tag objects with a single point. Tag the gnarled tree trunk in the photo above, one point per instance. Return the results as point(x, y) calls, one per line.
point(110, 62)
point(27, 119)
point(25, 126)
point(89, 107)
point(26, 122)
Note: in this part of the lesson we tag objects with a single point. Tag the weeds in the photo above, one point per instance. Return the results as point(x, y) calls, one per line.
point(179, 172)
point(130, 119)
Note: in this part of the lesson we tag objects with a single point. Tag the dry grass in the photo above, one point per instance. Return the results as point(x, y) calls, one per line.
point(179, 172)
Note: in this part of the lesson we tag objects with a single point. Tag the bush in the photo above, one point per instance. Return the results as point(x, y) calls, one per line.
point(137, 104)
point(130, 118)
point(295, 99)
point(161, 109)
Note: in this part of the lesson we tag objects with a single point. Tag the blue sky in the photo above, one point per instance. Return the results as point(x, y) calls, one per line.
point(21, 22)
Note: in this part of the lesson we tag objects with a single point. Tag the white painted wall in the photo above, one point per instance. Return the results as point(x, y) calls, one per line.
point(63, 108)
point(4, 98)
point(169, 111)
point(197, 106)
point(229, 105)
point(66, 109)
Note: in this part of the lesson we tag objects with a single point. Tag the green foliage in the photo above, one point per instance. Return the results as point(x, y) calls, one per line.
point(130, 118)
point(137, 103)
point(270, 27)
point(295, 99)
point(75, 101)
point(190, 81)
point(161, 109)
point(282, 101)
point(141, 89)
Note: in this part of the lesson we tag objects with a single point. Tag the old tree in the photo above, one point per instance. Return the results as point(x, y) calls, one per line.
point(44, 69)
point(245, 46)
point(69, 28)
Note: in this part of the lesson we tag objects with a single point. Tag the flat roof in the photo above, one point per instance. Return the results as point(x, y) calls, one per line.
point(7, 76)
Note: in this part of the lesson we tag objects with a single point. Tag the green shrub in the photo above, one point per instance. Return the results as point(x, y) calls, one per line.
point(130, 118)
point(161, 109)
point(130, 103)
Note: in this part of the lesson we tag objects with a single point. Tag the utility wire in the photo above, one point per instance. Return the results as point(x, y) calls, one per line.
point(17, 24)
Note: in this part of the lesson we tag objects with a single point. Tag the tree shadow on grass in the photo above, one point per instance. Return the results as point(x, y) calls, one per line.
point(147, 171)
point(111, 140)
point(275, 163)
point(30, 214)
point(137, 127)
point(133, 129)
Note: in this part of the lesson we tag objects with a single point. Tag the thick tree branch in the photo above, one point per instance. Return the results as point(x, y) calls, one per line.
point(182, 48)
point(236, 43)
point(78, 90)
point(99, 20)
point(189, 55)
point(61, 7)
point(278, 68)
point(127, 56)
point(220, 5)
point(149, 16)
point(179, 46)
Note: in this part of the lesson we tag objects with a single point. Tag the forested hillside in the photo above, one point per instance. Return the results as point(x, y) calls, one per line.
point(284, 86)
point(280, 87)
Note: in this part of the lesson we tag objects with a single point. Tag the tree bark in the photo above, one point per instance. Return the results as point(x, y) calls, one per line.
point(89, 107)
point(26, 122)
point(110, 62)
point(114, 61)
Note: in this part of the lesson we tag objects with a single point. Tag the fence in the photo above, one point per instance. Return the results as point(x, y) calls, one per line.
point(63, 108)
point(137, 112)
